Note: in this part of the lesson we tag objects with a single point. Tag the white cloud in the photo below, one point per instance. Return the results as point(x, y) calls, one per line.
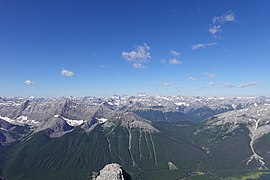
point(67, 73)
point(175, 53)
point(192, 78)
point(138, 66)
point(244, 85)
point(140, 54)
point(209, 75)
point(201, 45)
point(174, 61)
point(218, 21)
point(211, 83)
point(228, 17)
point(197, 46)
point(29, 82)
point(166, 84)
point(248, 84)
point(215, 29)
point(227, 85)
point(211, 44)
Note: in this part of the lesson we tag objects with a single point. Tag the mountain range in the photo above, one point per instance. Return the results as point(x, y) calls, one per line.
point(151, 137)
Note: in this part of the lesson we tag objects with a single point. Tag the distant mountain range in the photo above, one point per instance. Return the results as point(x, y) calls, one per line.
point(151, 137)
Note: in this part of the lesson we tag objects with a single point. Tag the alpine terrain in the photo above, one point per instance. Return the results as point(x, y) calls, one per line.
point(151, 137)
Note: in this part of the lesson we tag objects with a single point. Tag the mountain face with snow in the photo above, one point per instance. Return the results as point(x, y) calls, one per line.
point(255, 119)
point(153, 137)
point(33, 111)
point(40, 113)
point(10, 133)
point(55, 126)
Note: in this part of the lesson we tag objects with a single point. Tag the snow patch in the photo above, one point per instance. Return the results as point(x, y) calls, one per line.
point(110, 103)
point(7, 119)
point(181, 104)
point(22, 120)
point(25, 120)
point(102, 120)
point(71, 122)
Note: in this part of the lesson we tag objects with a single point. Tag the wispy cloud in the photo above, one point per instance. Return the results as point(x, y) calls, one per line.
point(228, 85)
point(214, 29)
point(218, 21)
point(140, 54)
point(202, 45)
point(211, 83)
point(228, 17)
point(67, 73)
point(175, 53)
point(209, 75)
point(248, 84)
point(174, 61)
point(166, 84)
point(244, 85)
point(138, 66)
point(192, 78)
point(29, 82)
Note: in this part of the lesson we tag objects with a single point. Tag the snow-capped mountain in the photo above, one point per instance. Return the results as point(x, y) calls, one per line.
point(153, 133)
point(32, 111)
point(62, 114)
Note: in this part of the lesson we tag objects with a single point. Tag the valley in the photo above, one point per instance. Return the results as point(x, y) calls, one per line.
point(150, 137)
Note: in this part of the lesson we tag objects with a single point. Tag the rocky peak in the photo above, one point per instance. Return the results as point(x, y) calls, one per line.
point(55, 126)
point(113, 172)
point(2, 100)
point(130, 120)
point(104, 111)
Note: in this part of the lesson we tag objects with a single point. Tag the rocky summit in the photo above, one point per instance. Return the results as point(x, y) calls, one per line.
point(113, 172)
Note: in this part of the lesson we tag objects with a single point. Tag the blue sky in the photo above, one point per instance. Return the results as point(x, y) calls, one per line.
point(100, 48)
